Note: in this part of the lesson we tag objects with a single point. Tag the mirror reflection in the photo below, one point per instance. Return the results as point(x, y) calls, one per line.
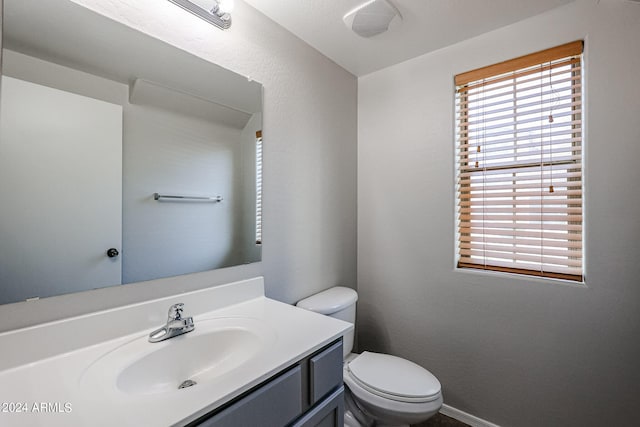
point(122, 158)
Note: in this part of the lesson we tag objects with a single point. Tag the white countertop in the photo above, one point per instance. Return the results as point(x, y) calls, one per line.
point(57, 381)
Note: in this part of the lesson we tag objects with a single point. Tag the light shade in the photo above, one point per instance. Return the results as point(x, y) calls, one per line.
point(225, 6)
point(372, 17)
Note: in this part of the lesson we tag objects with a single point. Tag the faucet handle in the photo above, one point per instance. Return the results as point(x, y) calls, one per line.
point(175, 312)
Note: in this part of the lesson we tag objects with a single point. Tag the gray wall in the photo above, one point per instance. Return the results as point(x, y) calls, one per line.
point(514, 351)
point(309, 125)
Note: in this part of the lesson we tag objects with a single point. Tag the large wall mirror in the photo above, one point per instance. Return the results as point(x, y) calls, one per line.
point(122, 158)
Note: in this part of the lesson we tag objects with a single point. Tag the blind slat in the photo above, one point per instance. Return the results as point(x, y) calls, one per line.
point(530, 257)
point(479, 234)
point(491, 148)
point(544, 151)
point(510, 217)
point(533, 204)
point(479, 188)
point(464, 140)
point(556, 175)
point(504, 194)
point(515, 228)
point(524, 164)
point(512, 210)
point(514, 249)
point(520, 172)
point(547, 243)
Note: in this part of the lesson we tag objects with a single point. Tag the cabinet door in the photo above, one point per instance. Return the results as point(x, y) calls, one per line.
point(328, 413)
point(273, 405)
point(325, 372)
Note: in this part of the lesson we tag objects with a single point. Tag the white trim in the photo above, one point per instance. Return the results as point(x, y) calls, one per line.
point(459, 415)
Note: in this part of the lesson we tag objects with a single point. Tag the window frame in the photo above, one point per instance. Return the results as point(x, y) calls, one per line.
point(486, 76)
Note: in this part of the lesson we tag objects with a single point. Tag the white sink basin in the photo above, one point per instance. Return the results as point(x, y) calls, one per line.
point(214, 349)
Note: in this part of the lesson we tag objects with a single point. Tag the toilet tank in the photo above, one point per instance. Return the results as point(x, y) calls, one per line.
point(338, 302)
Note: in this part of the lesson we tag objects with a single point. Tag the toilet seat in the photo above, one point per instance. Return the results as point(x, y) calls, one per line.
point(393, 378)
point(391, 390)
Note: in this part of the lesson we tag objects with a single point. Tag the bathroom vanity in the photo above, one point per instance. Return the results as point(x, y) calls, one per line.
point(309, 393)
point(250, 361)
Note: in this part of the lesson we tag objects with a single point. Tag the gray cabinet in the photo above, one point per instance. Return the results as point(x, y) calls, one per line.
point(325, 372)
point(328, 413)
point(307, 394)
point(274, 404)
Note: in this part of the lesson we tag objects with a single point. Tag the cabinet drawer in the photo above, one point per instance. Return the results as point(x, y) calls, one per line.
point(273, 405)
point(328, 413)
point(325, 372)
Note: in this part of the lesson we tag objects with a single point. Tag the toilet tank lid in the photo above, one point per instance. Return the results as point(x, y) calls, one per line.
point(330, 301)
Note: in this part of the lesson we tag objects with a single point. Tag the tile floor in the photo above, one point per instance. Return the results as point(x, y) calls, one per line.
point(440, 420)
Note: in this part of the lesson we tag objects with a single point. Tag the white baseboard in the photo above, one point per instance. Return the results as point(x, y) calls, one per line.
point(462, 416)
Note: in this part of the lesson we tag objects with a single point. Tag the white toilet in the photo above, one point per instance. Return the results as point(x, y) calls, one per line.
point(381, 389)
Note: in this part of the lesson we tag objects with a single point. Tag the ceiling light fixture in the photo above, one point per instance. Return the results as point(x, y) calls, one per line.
point(372, 17)
point(216, 12)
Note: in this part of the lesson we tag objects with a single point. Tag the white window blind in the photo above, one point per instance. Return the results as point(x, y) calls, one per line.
point(259, 187)
point(519, 154)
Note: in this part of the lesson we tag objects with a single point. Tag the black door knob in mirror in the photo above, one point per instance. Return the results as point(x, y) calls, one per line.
point(112, 252)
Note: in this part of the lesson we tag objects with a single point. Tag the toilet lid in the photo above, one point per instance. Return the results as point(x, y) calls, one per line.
point(394, 377)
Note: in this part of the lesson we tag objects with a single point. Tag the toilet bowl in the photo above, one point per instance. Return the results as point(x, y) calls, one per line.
point(380, 389)
point(392, 390)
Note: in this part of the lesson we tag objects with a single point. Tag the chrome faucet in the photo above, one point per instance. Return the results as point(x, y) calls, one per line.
point(176, 325)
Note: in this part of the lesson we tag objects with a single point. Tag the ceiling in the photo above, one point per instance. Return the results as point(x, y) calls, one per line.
point(427, 25)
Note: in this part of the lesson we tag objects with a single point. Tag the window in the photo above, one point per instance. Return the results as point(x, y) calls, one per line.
point(259, 187)
point(519, 154)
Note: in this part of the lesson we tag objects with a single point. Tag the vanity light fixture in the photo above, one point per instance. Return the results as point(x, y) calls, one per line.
point(216, 12)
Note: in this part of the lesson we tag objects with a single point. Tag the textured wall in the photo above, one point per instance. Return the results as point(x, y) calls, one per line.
point(309, 159)
point(517, 352)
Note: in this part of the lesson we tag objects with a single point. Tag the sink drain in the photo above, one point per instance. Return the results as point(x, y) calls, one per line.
point(187, 383)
